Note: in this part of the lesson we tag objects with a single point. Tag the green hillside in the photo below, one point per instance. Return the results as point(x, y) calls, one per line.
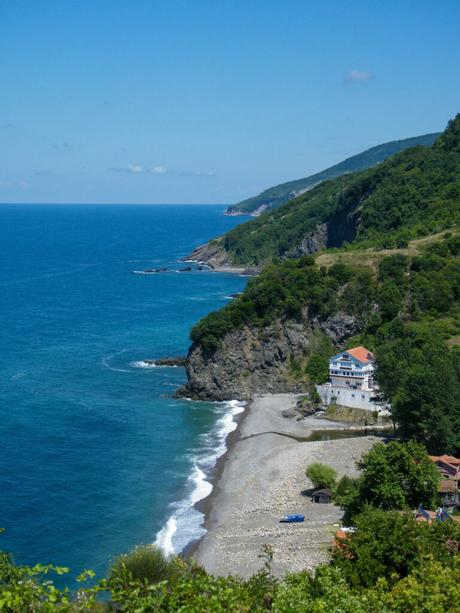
point(414, 193)
point(405, 299)
point(275, 196)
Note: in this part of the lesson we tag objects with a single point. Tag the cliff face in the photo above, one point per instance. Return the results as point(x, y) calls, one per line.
point(254, 360)
point(213, 254)
point(333, 232)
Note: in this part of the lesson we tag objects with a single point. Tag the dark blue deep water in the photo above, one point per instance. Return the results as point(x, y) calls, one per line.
point(95, 454)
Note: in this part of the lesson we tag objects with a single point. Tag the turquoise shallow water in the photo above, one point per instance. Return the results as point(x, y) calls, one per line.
point(96, 456)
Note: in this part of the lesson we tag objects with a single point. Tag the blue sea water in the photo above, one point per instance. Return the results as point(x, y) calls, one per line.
point(95, 454)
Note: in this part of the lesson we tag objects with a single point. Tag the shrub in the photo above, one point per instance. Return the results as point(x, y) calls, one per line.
point(321, 475)
point(145, 563)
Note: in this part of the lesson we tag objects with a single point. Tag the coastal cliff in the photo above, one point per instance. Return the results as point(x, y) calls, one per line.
point(254, 360)
point(393, 273)
point(213, 254)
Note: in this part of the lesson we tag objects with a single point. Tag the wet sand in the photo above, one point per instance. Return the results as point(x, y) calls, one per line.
point(260, 479)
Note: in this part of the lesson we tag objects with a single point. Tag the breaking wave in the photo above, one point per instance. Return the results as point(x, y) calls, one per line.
point(185, 523)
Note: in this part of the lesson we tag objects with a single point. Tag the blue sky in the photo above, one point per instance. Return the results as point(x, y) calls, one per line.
point(177, 102)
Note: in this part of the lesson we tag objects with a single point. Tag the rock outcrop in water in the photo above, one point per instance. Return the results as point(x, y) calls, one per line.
point(254, 360)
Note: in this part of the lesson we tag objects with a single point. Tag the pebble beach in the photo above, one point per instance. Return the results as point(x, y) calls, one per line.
point(260, 479)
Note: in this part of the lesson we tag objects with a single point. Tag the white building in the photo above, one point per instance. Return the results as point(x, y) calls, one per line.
point(351, 380)
point(352, 368)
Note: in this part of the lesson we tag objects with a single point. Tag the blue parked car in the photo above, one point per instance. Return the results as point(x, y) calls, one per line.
point(291, 519)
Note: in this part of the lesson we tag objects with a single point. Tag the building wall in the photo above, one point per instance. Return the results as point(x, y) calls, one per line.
point(356, 399)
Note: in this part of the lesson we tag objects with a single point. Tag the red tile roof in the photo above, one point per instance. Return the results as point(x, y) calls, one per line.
point(361, 353)
point(450, 459)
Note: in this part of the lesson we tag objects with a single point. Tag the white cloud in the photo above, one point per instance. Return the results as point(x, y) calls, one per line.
point(131, 168)
point(159, 170)
point(15, 184)
point(358, 75)
point(135, 168)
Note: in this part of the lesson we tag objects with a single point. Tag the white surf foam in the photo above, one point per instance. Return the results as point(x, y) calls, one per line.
point(149, 365)
point(106, 362)
point(143, 364)
point(185, 524)
point(164, 537)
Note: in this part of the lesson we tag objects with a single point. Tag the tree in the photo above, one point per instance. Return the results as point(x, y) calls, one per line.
point(344, 487)
point(417, 373)
point(321, 475)
point(394, 476)
point(390, 545)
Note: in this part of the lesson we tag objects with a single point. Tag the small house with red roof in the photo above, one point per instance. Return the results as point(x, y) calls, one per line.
point(351, 380)
point(448, 490)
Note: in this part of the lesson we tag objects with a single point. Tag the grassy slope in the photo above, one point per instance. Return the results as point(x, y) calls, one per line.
point(279, 194)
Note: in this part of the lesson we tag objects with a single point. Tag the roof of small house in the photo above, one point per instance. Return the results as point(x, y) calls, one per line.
point(361, 353)
point(450, 459)
point(325, 491)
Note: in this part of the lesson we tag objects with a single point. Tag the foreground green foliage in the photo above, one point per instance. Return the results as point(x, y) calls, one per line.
point(391, 563)
point(145, 563)
point(391, 544)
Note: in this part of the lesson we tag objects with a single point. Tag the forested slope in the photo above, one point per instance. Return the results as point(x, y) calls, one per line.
point(412, 194)
point(279, 194)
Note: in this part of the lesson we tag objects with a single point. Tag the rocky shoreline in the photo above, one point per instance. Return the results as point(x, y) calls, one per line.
point(214, 256)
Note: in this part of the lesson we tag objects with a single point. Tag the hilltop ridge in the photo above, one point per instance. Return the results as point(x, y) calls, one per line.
point(411, 194)
point(279, 194)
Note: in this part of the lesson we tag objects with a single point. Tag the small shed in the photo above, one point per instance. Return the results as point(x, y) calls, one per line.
point(322, 496)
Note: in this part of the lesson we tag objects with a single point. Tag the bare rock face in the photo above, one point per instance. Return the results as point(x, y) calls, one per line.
point(213, 254)
point(254, 360)
point(249, 361)
point(339, 327)
point(311, 243)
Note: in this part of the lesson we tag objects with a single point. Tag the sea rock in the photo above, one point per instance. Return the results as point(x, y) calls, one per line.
point(171, 361)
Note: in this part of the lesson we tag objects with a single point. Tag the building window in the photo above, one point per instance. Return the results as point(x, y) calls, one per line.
point(362, 395)
point(352, 395)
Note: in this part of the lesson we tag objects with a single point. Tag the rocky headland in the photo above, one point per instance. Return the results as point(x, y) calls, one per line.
point(253, 360)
